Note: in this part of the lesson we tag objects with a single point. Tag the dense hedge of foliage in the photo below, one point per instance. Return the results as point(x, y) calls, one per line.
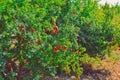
point(41, 37)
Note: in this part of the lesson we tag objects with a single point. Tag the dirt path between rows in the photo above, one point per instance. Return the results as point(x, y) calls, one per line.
point(113, 67)
point(109, 70)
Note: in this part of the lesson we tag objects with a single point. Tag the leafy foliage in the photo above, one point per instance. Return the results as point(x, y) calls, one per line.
point(39, 37)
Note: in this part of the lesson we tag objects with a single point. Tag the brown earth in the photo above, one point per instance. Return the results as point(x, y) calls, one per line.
point(113, 67)
point(109, 69)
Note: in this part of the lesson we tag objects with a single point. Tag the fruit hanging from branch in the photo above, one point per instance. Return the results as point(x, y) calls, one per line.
point(55, 28)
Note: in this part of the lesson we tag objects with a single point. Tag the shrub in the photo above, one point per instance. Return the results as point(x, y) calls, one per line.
point(37, 39)
point(95, 23)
